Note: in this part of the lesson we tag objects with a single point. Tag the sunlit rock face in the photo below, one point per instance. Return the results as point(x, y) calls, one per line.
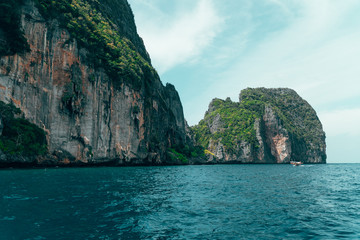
point(265, 126)
point(88, 117)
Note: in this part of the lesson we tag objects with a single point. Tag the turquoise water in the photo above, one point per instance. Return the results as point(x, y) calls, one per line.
point(183, 202)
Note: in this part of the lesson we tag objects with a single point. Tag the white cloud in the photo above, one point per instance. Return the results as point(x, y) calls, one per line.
point(341, 122)
point(179, 37)
point(282, 5)
point(317, 55)
point(311, 46)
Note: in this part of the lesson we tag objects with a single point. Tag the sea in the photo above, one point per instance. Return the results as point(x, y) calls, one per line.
point(182, 202)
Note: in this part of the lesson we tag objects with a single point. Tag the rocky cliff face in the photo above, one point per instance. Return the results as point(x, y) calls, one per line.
point(88, 117)
point(265, 126)
point(1, 126)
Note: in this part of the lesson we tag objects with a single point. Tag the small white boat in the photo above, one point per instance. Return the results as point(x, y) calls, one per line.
point(296, 163)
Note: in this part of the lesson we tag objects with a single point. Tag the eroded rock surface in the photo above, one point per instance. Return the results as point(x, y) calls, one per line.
point(88, 119)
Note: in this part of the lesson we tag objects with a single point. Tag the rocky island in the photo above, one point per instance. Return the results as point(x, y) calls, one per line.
point(265, 126)
point(77, 88)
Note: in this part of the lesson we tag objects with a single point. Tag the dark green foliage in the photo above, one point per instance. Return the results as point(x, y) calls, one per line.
point(237, 119)
point(176, 156)
point(97, 33)
point(202, 133)
point(154, 144)
point(68, 95)
point(237, 124)
point(19, 136)
point(15, 42)
point(197, 152)
point(136, 109)
point(184, 152)
point(298, 117)
point(8, 111)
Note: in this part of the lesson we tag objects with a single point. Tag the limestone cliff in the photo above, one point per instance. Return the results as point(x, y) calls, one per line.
point(96, 96)
point(265, 126)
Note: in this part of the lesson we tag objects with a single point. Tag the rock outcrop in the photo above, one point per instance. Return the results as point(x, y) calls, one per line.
point(265, 126)
point(90, 118)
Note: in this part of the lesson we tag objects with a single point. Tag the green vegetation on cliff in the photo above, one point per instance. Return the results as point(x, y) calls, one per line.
point(99, 35)
point(235, 121)
point(92, 29)
point(19, 136)
point(181, 153)
point(236, 124)
point(297, 116)
point(12, 38)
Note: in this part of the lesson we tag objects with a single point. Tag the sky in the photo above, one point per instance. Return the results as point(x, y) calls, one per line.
point(216, 48)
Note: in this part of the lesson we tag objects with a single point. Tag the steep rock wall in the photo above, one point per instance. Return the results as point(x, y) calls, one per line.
point(86, 117)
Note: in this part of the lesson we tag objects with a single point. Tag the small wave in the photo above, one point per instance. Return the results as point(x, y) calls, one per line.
point(218, 202)
point(19, 197)
point(12, 218)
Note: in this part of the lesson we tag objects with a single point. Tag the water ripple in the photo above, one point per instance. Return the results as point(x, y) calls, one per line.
point(188, 202)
